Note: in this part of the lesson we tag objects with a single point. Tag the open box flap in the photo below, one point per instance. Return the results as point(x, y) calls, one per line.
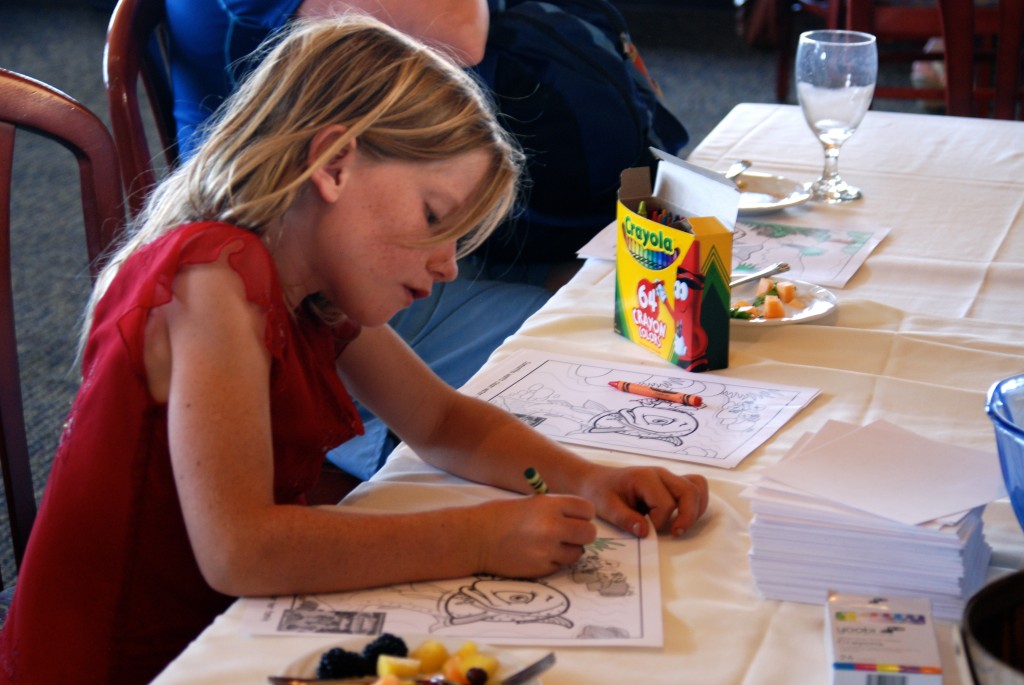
point(700, 191)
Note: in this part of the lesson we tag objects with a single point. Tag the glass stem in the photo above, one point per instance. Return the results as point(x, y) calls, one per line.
point(831, 170)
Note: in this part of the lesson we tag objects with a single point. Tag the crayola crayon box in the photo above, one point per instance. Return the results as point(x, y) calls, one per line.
point(673, 261)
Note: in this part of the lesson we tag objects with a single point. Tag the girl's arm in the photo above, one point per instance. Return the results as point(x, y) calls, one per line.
point(481, 442)
point(458, 27)
point(205, 356)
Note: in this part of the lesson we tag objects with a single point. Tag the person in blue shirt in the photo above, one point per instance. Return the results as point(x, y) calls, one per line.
point(211, 41)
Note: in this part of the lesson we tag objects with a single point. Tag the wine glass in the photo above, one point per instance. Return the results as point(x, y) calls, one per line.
point(835, 81)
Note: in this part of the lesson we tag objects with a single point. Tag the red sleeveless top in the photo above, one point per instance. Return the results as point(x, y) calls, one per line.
point(109, 591)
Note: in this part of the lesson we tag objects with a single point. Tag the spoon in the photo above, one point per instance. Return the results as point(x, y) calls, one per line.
point(737, 168)
point(771, 270)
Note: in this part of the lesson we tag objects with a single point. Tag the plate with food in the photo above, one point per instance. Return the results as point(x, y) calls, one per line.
point(766, 193)
point(778, 301)
point(417, 659)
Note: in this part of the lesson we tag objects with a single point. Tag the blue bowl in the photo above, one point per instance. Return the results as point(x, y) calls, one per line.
point(1005, 406)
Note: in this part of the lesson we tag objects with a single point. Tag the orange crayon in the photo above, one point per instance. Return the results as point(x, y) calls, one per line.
point(648, 391)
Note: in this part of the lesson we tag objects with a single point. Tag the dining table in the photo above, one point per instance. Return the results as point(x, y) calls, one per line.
point(925, 326)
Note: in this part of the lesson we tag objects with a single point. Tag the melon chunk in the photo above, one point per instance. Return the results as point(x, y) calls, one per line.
point(773, 308)
point(786, 291)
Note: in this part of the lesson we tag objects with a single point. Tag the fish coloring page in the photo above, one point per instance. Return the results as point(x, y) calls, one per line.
point(610, 596)
point(570, 400)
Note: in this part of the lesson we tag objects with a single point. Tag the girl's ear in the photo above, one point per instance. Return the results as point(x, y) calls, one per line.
point(329, 176)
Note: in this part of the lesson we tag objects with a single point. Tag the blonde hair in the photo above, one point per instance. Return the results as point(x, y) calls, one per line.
point(402, 100)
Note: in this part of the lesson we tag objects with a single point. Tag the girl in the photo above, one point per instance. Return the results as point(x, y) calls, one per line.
point(339, 184)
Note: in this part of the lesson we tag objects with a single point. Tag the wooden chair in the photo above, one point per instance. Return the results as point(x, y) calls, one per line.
point(33, 106)
point(902, 28)
point(983, 74)
point(136, 48)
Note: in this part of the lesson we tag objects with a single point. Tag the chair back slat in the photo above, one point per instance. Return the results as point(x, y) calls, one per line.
point(983, 58)
point(14, 460)
point(30, 105)
point(137, 49)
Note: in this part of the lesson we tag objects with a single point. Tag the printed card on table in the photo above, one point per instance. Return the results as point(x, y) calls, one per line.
point(828, 257)
point(823, 256)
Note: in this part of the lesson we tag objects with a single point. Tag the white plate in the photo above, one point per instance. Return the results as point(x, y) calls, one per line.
point(305, 666)
point(818, 302)
point(765, 193)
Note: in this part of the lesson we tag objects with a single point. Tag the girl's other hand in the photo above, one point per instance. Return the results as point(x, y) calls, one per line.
point(633, 498)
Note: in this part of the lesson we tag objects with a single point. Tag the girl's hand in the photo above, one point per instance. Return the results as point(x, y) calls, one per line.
point(530, 537)
point(628, 497)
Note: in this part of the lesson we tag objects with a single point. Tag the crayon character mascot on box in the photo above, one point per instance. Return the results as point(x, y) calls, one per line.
point(691, 343)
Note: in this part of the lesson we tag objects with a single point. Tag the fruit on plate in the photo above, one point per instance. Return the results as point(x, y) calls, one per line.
point(388, 658)
point(773, 300)
point(469, 666)
point(400, 666)
point(432, 655)
point(786, 291)
point(773, 308)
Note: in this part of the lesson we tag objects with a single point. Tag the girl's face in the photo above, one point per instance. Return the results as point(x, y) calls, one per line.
point(362, 248)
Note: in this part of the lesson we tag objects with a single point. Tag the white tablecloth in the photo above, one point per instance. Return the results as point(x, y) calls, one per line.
point(932, 319)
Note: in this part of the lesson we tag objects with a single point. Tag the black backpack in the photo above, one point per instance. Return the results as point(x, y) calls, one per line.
point(570, 86)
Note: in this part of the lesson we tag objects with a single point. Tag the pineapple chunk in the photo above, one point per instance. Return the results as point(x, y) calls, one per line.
point(401, 667)
point(432, 655)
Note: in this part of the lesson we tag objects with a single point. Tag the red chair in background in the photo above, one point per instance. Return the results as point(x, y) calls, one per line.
point(136, 49)
point(983, 72)
point(33, 106)
point(903, 28)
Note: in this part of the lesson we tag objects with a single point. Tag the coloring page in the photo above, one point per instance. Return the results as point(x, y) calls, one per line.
point(611, 596)
point(570, 400)
point(821, 256)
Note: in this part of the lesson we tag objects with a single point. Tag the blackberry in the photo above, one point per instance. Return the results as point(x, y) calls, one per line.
point(385, 643)
point(476, 676)
point(341, 663)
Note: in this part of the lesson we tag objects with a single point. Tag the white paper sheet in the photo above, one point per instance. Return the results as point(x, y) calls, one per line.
point(569, 399)
point(601, 246)
point(894, 473)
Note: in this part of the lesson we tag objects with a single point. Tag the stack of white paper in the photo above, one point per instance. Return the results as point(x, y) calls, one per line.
point(874, 510)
